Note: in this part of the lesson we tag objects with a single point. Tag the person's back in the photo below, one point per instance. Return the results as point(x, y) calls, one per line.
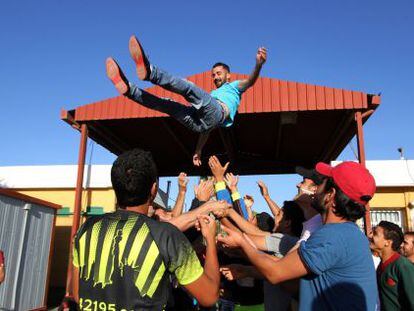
point(343, 273)
point(131, 270)
point(124, 258)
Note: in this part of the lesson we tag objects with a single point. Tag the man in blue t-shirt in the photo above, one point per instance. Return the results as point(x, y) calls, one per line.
point(207, 111)
point(335, 264)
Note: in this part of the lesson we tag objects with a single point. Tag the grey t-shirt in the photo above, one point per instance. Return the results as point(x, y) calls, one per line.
point(275, 298)
point(280, 244)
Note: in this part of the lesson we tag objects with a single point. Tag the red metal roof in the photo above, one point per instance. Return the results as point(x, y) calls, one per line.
point(270, 135)
point(267, 95)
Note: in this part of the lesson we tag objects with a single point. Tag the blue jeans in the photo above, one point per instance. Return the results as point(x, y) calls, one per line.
point(204, 114)
point(226, 305)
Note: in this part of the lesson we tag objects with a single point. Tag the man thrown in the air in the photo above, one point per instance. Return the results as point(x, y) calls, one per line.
point(207, 111)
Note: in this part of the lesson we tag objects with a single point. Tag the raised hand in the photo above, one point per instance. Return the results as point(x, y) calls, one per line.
point(204, 190)
point(197, 159)
point(221, 208)
point(261, 56)
point(233, 272)
point(263, 188)
point(217, 169)
point(231, 181)
point(248, 201)
point(207, 226)
point(182, 182)
point(232, 239)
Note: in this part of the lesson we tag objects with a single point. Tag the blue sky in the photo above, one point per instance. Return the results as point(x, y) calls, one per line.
point(52, 56)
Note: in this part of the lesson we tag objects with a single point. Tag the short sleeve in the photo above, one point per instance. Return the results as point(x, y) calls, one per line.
point(1, 258)
point(182, 259)
point(75, 249)
point(75, 256)
point(235, 84)
point(321, 251)
point(280, 244)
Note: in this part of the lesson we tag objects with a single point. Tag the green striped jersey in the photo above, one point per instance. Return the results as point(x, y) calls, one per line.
point(125, 258)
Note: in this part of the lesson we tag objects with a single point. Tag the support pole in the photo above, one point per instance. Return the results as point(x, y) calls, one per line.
point(361, 157)
point(77, 209)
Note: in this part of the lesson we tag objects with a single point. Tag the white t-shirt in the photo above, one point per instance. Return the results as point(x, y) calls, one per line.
point(310, 226)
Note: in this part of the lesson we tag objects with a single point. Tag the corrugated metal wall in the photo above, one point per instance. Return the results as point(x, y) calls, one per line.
point(25, 235)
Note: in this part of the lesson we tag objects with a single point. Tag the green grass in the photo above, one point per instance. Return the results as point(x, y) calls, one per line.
point(250, 308)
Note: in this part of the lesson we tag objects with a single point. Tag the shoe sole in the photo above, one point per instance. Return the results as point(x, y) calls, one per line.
point(114, 74)
point(137, 54)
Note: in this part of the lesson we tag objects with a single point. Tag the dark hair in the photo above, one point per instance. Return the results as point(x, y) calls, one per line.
point(265, 222)
point(133, 174)
point(392, 232)
point(293, 213)
point(344, 206)
point(225, 66)
point(68, 303)
point(411, 233)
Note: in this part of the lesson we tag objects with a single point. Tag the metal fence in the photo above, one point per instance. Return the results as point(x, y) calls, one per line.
point(394, 216)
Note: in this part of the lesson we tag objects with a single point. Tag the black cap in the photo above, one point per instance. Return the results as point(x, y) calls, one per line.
point(310, 174)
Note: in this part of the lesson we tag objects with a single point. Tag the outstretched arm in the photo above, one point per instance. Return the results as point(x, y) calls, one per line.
point(202, 139)
point(248, 202)
point(287, 268)
point(187, 220)
point(260, 60)
point(242, 223)
point(231, 182)
point(272, 204)
point(182, 189)
point(206, 288)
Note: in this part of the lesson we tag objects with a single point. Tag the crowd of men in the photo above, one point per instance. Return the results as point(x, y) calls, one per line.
point(308, 254)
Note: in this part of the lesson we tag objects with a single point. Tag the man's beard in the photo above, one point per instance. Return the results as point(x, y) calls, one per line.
point(218, 83)
point(319, 206)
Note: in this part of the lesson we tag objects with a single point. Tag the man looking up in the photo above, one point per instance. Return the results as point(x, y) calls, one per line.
point(336, 258)
point(395, 273)
point(407, 247)
point(207, 111)
point(125, 258)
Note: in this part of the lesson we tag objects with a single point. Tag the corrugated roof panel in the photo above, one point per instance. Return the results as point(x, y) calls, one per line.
point(320, 97)
point(258, 96)
point(275, 84)
point(356, 99)
point(348, 104)
point(293, 96)
point(267, 95)
point(110, 110)
point(284, 96)
point(329, 98)
point(249, 100)
point(302, 98)
point(99, 110)
point(311, 95)
point(339, 100)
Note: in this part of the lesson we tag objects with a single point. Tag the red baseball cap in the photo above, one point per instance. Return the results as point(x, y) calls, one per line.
point(352, 178)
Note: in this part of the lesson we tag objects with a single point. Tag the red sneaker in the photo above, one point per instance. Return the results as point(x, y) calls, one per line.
point(116, 76)
point(138, 55)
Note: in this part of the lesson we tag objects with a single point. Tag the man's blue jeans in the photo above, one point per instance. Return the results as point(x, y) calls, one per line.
point(204, 114)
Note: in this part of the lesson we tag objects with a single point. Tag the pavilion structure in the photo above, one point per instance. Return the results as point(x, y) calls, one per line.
point(279, 125)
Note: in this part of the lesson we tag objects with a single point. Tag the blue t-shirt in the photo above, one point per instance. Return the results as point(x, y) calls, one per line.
point(229, 94)
point(342, 270)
